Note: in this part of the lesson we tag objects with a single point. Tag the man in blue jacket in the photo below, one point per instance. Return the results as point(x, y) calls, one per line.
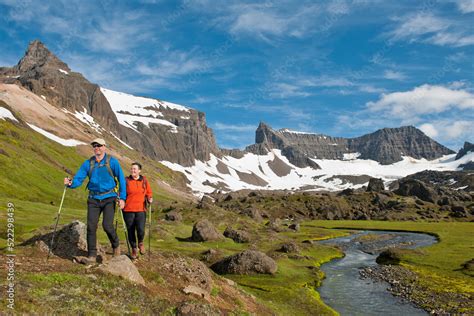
point(104, 172)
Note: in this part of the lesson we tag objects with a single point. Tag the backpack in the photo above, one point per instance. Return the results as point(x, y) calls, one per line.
point(107, 165)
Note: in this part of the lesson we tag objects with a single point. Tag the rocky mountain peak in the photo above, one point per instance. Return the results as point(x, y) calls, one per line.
point(38, 55)
point(468, 147)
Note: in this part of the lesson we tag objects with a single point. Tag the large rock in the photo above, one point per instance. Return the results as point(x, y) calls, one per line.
point(190, 271)
point(238, 236)
point(412, 187)
point(247, 262)
point(197, 309)
point(375, 185)
point(173, 216)
point(389, 256)
point(70, 241)
point(123, 267)
point(203, 230)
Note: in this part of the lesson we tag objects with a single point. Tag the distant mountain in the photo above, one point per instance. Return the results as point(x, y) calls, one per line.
point(66, 106)
point(386, 146)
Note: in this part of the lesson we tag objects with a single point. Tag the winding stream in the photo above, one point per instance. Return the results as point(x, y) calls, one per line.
point(348, 294)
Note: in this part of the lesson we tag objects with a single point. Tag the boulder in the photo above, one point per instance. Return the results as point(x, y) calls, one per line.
point(375, 185)
point(289, 248)
point(238, 236)
point(173, 216)
point(294, 226)
point(190, 308)
point(123, 267)
point(389, 256)
point(203, 230)
point(247, 262)
point(458, 211)
point(252, 213)
point(412, 187)
point(190, 271)
point(70, 241)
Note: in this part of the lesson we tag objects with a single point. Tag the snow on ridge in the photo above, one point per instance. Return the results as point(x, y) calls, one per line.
point(63, 71)
point(121, 141)
point(136, 105)
point(286, 130)
point(84, 117)
point(130, 109)
point(307, 178)
point(5, 113)
point(57, 139)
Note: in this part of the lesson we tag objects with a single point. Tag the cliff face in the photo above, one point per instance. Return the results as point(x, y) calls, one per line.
point(47, 76)
point(386, 146)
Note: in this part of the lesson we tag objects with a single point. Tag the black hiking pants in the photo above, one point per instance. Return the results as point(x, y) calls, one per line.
point(135, 222)
point(94, 209)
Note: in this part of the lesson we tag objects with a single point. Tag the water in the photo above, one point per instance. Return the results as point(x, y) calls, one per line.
point(348, 294)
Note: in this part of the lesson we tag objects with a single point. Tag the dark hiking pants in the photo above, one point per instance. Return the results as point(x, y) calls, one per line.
point(94, 209)
point(135, 222)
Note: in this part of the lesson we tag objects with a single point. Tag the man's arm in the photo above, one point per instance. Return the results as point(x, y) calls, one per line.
point(81, 175)
point(115, 166)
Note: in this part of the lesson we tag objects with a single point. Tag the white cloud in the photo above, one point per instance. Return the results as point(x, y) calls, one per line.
point(394, 75)
point(425, 99)
point(465, 6)
point(428, 28)
point(233, 127)
point(452, 131)
point(429, 130)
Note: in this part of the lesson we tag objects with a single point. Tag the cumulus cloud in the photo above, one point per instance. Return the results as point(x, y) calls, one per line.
point(425, 99)
point(449, 131)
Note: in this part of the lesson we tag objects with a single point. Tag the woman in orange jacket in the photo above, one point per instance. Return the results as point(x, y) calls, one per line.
point(134, 212)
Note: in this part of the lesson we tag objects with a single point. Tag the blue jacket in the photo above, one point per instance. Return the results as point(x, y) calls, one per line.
point(100, 180)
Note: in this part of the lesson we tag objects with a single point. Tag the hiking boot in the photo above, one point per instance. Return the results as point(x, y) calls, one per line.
point(134, 253)
point(89, 260)
point(142, 248)
point(117, 251)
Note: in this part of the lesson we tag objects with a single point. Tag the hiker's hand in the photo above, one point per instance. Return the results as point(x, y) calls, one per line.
point(122, 204)
point(67, 182)
point(150, 200)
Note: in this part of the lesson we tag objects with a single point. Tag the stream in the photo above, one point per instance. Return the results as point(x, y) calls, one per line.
point(346, 292)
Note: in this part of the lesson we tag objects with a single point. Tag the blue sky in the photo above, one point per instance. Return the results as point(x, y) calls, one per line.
point(342, 68)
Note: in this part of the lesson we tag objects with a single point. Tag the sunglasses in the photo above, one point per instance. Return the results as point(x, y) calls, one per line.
point(97, 145)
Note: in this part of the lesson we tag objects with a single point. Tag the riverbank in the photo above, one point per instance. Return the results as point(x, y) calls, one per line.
point(434, 278)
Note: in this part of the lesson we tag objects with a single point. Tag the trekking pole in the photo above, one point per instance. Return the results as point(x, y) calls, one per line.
point(149, 231)
point(57, 221)
point(124, 228)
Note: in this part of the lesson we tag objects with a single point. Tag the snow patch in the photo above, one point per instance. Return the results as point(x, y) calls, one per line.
point(130, 109)
point(350, 156)
point(121, 141)
point(64, 71)
point(62, 141)
point(309, 179)
point(44, 98)
point(86, 118)
point(6, 114)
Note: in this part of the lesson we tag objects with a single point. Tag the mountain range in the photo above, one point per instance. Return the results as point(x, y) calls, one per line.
point(63, 105)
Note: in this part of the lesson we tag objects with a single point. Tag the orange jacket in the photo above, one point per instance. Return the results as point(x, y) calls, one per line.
point(137, 191)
